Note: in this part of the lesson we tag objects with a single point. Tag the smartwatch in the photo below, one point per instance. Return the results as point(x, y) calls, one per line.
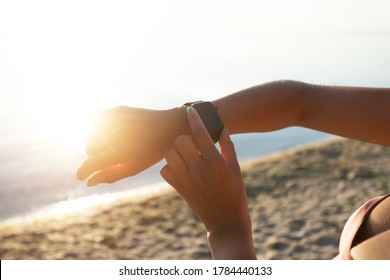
point(210, 118)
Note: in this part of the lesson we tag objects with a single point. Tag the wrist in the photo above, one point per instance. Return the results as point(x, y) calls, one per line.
point(177, 122)
point(235, 242)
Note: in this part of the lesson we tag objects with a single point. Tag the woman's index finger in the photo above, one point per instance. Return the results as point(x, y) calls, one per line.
point(200, 134)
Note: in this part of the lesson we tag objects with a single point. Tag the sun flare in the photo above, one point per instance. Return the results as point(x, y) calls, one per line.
point(64, 124)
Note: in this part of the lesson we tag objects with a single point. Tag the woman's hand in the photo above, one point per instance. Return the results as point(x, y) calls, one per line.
point(126, 141)
point(212, 185)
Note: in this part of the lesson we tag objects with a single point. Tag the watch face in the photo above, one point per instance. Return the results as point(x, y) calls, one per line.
point(211, 119)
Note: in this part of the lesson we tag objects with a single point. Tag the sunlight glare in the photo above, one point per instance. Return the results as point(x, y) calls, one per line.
point(64, 123)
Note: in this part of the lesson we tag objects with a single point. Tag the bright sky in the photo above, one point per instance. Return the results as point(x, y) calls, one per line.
point(62, 60)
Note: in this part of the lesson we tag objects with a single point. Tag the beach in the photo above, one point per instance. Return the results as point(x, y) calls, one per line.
point(299, 201)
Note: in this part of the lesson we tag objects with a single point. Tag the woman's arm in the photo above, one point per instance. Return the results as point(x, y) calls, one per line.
point(129, 140)
point(211, 183)
point(353, 112)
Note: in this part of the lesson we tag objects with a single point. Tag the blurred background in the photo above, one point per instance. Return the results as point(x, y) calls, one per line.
point(61, 61)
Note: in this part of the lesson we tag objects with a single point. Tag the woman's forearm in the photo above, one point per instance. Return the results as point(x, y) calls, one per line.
point(234, 244)
point(353, 112)
point(262, 108)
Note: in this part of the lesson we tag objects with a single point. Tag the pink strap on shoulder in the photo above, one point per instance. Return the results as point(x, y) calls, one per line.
point(352, 226)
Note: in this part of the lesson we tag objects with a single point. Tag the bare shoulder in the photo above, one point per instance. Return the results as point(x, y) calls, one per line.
point(374, 248)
